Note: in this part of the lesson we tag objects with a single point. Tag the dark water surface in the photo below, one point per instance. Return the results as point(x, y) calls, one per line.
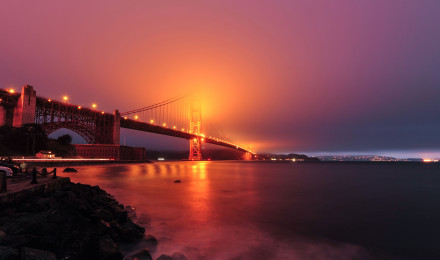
point(256, 210)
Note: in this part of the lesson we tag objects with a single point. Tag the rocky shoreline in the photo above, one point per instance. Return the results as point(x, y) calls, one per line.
point(76, 221)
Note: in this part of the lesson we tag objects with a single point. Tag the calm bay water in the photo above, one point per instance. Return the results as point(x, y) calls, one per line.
point(256, 210)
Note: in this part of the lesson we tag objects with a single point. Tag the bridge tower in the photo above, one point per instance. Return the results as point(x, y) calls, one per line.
point(195, 126)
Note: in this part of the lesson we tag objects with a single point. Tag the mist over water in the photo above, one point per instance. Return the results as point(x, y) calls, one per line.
point(256, 210)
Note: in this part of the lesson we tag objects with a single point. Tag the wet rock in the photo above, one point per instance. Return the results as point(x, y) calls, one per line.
point(75, 222)
point(2, 235)
point(150, 243)
point(144, 254)
point(165, 257)
point(8, 253)
point(35, 254)
point(179, 256)
point(68, 169)
point(108, 249)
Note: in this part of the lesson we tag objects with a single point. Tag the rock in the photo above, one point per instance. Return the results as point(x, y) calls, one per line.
point(8, 253)
point(108, 249)
point(150, 243)
point(76, 222)
point(165, 257)
point(177, 181)
point(36, 254)
point(144, 254)
point(2, 235)
point(179, 256)
point(68, 169)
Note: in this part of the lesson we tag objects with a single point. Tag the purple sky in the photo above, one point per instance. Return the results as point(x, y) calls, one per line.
point(317, 77)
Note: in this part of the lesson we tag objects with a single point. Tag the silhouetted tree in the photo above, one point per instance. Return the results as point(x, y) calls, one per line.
point(64, 139)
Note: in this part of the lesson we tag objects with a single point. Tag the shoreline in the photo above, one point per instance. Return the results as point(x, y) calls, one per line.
point(74, 221)
point(49, 163)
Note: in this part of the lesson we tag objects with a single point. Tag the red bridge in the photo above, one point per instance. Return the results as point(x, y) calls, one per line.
point(179, 117)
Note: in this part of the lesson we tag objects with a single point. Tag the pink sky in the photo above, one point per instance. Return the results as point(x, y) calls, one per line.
point(284, 76)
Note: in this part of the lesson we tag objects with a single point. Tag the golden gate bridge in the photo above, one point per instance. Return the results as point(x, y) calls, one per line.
point(178, 117)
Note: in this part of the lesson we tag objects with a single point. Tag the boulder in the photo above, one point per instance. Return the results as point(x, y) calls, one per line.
point(8, 253)
point(150, 243)
point(179, 256)
point(36, 254)
point(165, 257)
point(108, 249)
point(144, 254)
point(68, 169)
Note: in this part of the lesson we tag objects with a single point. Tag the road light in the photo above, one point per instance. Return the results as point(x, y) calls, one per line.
point(152, 121)
point(136, 117)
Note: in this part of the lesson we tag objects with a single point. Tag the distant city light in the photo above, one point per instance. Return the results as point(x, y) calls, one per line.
point(94, 105)
point(164, 124)
point(151, 121)
point(79, 107)
point(11, 90)
point(136, 117)
point(65, 98)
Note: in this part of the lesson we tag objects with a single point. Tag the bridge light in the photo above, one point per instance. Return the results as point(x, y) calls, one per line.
point(65, 98)
point(125, 117)
point(11, 90)
point(49, 100)
point(136, 117)
point(94, 105)
point(183, 129)
point(174, 127)
point(79, 107)
point(203, 139)
point(164, 124)
point(102, 112)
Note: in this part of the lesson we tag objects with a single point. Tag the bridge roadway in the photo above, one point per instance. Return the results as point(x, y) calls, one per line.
point(152, 128)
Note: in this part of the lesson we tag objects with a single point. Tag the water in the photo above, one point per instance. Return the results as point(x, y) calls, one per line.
point(256, 210)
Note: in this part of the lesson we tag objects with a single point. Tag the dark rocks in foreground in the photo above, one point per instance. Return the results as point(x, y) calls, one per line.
point(69, 169)
point(75, 222)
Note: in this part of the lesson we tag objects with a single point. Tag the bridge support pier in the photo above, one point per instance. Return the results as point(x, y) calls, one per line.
point(24, 112)
point(116, 127)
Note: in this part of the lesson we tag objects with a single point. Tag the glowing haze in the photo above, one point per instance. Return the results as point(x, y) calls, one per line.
point(284, 76)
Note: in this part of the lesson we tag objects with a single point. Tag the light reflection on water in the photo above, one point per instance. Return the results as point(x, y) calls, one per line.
point(240, 210)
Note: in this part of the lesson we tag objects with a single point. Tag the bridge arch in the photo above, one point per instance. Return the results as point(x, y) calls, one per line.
point(76, 138)
point(81, 130)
